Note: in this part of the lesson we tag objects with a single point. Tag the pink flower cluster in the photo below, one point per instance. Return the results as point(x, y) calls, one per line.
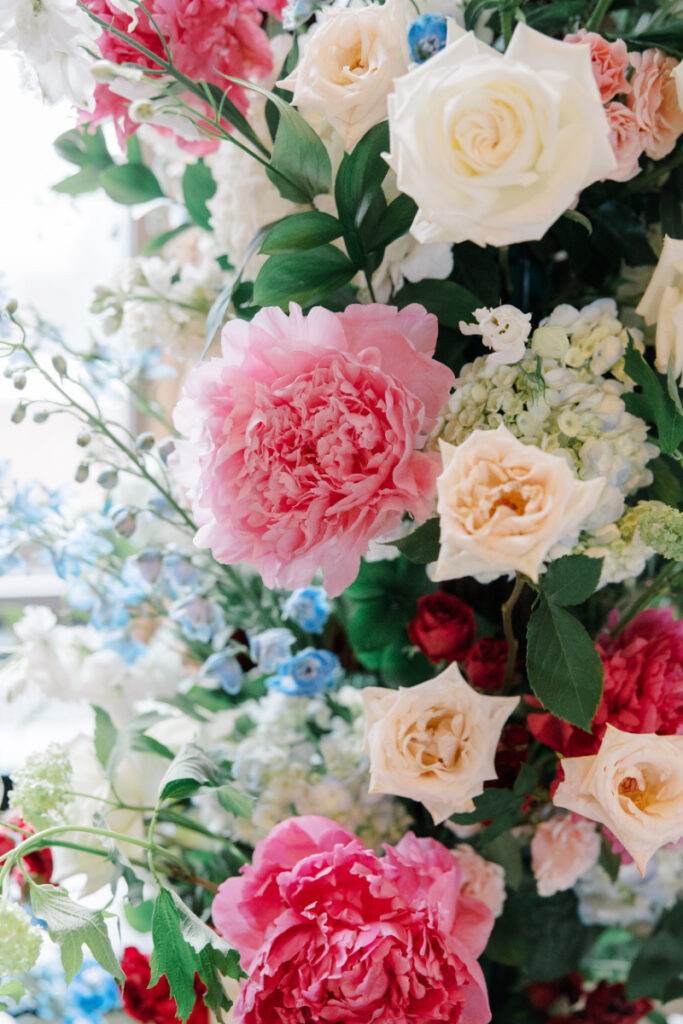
point(303, 438)
point(643, 688)
point(208, 39)
point(648, 117)
point(329, 932)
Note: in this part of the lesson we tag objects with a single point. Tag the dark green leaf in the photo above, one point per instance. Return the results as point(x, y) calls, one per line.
point(304, 277)
point(422, 545)
point(71, 926)
point(360, 176)
point(572, 579)
point(504, 850)
point(227, 111)
point(191, 768)
point(658, 969)
point(610, 862)
point(617, 226)
point(172, 955)
point(300, 166)
point(130, 184)
point(564, 668)
point(198, 187)
point(301, 231)
point(490, 805)
point(396, 221)
point(653, 403)
point(446, 299)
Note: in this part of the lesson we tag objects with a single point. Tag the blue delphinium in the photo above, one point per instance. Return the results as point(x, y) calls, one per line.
point(198, 617)
point(125, 646)
point(180, 575)
point(426, 36)
point(309, 608)
point(307, 673)
point(271, 648)
point(92, 994)
point(224, 668)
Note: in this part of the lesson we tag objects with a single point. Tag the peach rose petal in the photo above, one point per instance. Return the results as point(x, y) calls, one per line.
point(561, 851)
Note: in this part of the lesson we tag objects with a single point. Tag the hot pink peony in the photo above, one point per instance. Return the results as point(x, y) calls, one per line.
point(303, 438)
point(329, 932)
point(208, 39)
point(625, 139)
point(609, 62)
point(654, 101)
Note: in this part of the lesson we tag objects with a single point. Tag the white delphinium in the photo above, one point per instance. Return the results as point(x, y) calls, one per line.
point(504, 329)
point(52, 36)
point(631, 899)
point(41, 787)
point(46, 654)
point(20, 941)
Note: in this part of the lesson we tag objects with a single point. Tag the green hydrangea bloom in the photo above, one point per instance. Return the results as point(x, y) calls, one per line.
point(41, 787)
point(19, 940)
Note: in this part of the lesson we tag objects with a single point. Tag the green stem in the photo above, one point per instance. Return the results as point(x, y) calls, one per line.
point(507, 610)
point(506, 25)
point(598, 15)
point(368, 279)
point(660, 582)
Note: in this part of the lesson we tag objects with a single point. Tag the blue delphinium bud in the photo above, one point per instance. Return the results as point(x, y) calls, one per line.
point(224, 668)
point(309, 608)
point(426, 36)
point(310, 672)
point(198, 617)
point(271, 648)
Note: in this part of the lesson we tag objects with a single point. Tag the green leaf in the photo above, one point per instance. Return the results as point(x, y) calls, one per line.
point(608, 861)
point(504, 850)
point(139, 917)
point(172, 955)
point(11, 990)
point(396, 221)
point(133, 150)
point(230, 113)
point(71, 926)
point(196, 933)
point(422, 545)
point(572, 579)
point(657, 971)
point(160, 241)
point(617, 227)
point(84, 148)
point(299, 166)
point(445, 299)
point(490, 805)
point(198, 188)
point(105, 735)
point(564, 668)
point(304, 277)
point(579, 218)
point(234, 802)
point(85, 180)
point(190, 769)
point(653, 403)
point(129, 184)
point(361, 174)
point(301, 231)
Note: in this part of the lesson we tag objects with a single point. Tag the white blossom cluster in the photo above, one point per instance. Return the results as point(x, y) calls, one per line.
point(20, 941)
point(630, 899)
point(158, 303)
point(41, 788)
point(298, 757)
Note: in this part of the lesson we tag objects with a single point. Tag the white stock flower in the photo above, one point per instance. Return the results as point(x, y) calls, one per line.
point(494, 148)
point(504, 329)
point(662, 304)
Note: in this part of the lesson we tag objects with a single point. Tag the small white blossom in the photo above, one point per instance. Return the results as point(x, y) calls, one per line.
point(20, 940)
point(505, 329)
point(41, 787)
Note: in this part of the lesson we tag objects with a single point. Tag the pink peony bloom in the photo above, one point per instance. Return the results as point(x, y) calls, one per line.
point(561, 851)
point(625, 139)
point(609, 62)
point(208, 39)
point(643, 688)
point(329, 932)
point(303, 438)
point(654, 101)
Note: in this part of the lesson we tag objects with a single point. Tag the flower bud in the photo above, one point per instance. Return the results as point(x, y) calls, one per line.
point(40, 416)
point(124, 521)
point(19, 413)
point(59, 363)
point(19, 381)
point(83, 439)
point(166, 448)
point(108, 479)
point(144, 442)
point(11, 306)
point(82, 473)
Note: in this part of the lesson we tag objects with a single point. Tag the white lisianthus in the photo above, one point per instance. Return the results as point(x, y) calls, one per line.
point(51, 36)
point(662, 304)
point(505, 329)
point(494, 148)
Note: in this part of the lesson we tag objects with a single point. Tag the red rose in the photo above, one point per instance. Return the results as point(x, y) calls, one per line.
point(38, 863)
point(607, 1004)
point(511, 752)
point(542, 994)
point(643, 689)
point(484, 663)
point(154, 1004)
point(443, 628)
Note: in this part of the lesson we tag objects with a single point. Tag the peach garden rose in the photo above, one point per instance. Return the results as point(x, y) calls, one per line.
point(561, 851)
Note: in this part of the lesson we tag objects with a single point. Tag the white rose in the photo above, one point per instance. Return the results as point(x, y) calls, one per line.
point(494, 148)
point(348, 66)
point(633, 785)
point(504, 504)
point(662, 304)
point(434, 742)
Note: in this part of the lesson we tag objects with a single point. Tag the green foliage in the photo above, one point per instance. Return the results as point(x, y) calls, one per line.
point(234, 802)
point(571, 580)
point(113, 745)
point(301, 231)
point(13, 990)
point(658, 969)
point(422, 545)
point(72, 926)
point(361, 203)
point(500, 807)
point(653, 403)
point(304, 277)
point(449, 301)
point(160, 241)
point(190, 769)
point(198, 187)
point(88, 152)
point(129, 184)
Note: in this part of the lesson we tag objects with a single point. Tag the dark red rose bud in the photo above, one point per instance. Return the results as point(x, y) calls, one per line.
point(443, 628)
point(607, 1004)
point(484, 663)
point(542, 994)
point(154, 1004)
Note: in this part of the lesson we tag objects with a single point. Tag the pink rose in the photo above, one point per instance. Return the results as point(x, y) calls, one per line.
point(561, 851)
point(481, 878)
point(303, 439)
point(654, 101)
point(330, 932)
point(609, 62)
point(626, 141)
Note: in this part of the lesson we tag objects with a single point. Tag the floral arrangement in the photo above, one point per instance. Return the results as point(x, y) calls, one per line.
point(379, 619)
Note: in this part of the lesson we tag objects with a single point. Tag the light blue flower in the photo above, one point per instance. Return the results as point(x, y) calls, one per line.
point(92, 993)
point(309, 608)
point(180, 575)
point(225, 669)
point(125, 646)
point(271, 648)
point(145, 566)
point(426, 36)
point(297, 12)
point(310, 672)
point(199, 618)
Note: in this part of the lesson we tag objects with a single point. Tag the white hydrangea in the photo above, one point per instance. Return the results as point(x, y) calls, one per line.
point(159, 303)
point(41, 787)
point(20, 941)
point(595, 337)
point(631, 899)
point(624, 551)
point(290, 768)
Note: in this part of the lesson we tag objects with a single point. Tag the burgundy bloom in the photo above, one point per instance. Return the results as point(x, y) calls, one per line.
point(484, 663)
point(443, 628)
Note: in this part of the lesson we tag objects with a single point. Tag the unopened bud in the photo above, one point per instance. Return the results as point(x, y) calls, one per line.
point(19, 381)
point(83, 439)
point(82, 473)
point(144, 442)
point(166, 448)
point(59, 363)
point(40, 416)
point(18, 414)
point(11, 306)
point(124, 521)
point(108, 479)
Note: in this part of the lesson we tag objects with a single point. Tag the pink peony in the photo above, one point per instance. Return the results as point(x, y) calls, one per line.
point(208, 39)
point(643, 688)
point(329, 932)
point(303, 438)
point(625, 139)
point(561, 851)
point(654, 101)
point(609, 62)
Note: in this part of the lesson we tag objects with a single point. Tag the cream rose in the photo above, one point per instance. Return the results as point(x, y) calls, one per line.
point(561, 851)
point(435, 742)
point(503, 505)
point(662, 304)
point(633, 785)
point(494, 148)
point(481, 878)
point(348, 66)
